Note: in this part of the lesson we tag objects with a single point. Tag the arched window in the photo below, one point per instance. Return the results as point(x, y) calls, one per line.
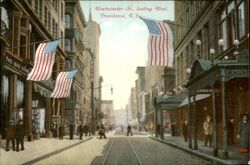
point(4, 17)
point(68, 21)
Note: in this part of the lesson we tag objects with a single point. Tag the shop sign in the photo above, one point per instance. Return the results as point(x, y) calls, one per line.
point(17, 65)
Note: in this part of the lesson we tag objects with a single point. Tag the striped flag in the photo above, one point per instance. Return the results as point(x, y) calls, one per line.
point(44, 61)
point(63, 84)
point(160, 43)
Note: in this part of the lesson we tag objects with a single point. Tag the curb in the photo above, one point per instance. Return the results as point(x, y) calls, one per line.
point(55, 152)
point(212, 159)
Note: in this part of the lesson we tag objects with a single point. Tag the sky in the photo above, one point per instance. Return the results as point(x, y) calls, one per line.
point(123, 41)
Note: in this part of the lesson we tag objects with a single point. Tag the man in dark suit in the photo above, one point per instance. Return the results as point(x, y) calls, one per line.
point(20, 133)
point(10, 135)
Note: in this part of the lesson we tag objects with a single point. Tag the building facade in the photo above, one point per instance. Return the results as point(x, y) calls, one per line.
point(108, 112)
point(26, 23)
point(221, 26)
point(92, 33)
point(78, 104)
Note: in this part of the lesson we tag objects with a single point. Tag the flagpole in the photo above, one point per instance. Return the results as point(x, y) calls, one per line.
point(58, 107)
point(33, 43)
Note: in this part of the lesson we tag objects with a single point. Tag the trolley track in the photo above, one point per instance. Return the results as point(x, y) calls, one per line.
point(108, 159)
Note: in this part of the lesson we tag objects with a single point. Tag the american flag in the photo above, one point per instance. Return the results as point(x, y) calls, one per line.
point(160, 43)
point(63, 84)
point(44, 61)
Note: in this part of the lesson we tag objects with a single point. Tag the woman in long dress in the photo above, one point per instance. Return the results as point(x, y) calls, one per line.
point(243, 134)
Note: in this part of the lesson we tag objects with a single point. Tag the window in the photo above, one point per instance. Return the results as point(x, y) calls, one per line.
point(49, 22)
point(53, 28)
point(68, 45)
point(62, 39)
point(5, 17)
point(223, 29)
point(20, 93)
point(241, 20)
point(62, 11)
point(45, 16)
point(23, 48)
point(36, 6)
point(205, 41)
point(5, 89)
point(41, 8)
point(68, 21)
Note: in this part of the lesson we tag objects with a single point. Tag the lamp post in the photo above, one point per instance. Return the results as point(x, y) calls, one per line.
point(212, 51)
point(215, 148)
point(236, 43)
point(198, 43)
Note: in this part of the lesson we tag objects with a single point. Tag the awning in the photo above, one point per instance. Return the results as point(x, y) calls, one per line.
point(167, 102)
point(198, 97)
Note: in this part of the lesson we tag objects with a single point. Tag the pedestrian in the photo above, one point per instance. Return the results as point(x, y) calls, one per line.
point(90, 129)
point(208, 130)
point(185, 130)
point(102, 132)
point(10, 135)
point(61, 131)
point(173, 128)
point(71, 130)
point(80, 131)
point(86, 129)
point(129, 130)
point(243, 134)
point(231, 131)
point(20, 133)
point(54, 129)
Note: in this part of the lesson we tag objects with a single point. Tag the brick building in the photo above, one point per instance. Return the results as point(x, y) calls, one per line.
point(23, 24)
point(209, 22)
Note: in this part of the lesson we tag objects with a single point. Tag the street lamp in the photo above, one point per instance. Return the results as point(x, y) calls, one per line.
point(212, 51)
point(236, 43)
point(188, 70)
point(198, 43)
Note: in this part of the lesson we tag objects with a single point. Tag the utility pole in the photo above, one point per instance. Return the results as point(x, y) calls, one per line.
point(92, 96)
point(93, 108)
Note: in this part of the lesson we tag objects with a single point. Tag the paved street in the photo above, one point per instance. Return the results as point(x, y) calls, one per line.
point(122, 150)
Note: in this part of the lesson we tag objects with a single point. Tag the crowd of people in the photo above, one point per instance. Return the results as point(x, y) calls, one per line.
point(243, 132)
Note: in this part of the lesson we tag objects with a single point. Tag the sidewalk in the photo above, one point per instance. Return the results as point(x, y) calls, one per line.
point(38, 150)
point(235, 157)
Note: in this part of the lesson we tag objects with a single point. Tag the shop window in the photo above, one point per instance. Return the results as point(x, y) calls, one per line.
point(5, 89)
point(20, 93)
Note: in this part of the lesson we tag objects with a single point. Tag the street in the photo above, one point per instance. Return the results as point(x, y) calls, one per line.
point(119, 149)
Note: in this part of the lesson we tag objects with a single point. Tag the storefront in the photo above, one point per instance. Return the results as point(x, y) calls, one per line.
point(227, 82)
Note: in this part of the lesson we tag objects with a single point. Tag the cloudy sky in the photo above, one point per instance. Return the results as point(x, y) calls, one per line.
point(123, 41)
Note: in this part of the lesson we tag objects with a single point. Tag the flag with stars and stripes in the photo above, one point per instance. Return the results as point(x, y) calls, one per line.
point(44, 61)
point(63, 84)
point(160, 43)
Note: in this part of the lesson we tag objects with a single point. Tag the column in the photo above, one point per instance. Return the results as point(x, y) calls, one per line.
point(195, 124)
point(224, 116)
point(215, 148)
point(28, 110)
point(16, 31)
point(48, 116)
point(156, 124)
point(190, 123)
point(161, 128)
